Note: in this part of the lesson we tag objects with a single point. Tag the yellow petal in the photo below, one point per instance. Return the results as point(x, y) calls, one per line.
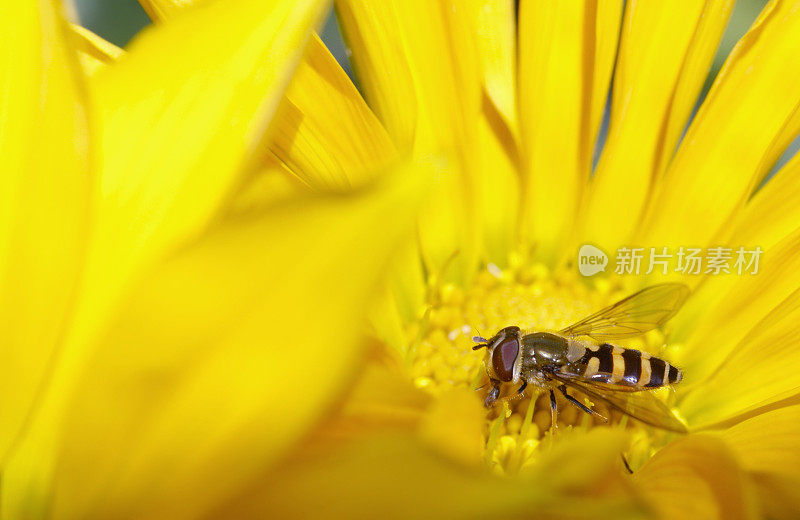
point(373, 32)
point(160, 10)
point(454, 426)
point(173, 145)
point(499, 187)
point(559, 93)
point(44, 199)
point(745, 122)
point(695, 477)
point(398, 476)
point(768, 447)
point(264, 188)
point(498, 171)
point(665, 51)
point(608, 20)
point(761, 370)
point(434, 61)
point(169, 148)
point(737, 308)
point(773, 212)
point(225, 355)
point(496, 27)
point(769, 217)
point(323, 130)
point(94, 52)
point(382, 399)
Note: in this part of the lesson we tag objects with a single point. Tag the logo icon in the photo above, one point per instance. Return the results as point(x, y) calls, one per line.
point(591, 260)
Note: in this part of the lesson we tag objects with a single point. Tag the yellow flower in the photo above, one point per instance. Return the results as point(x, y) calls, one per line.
point(197, 350)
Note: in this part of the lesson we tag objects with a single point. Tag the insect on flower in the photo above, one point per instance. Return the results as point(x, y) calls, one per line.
point(620, 377)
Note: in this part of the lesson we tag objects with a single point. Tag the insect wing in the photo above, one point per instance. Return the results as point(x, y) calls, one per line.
point(641, 405)
point(641, 312)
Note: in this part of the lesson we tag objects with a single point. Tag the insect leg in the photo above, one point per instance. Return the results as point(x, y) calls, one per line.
point(492, 396)
point(523, 387)
point(579, 404)
point(553, 411)
point(627, 466)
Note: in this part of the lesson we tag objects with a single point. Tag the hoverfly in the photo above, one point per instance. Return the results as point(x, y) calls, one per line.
point(620, 377)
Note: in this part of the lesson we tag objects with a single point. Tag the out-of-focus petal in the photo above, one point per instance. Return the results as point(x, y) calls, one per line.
point(760, 370)
point(160, 10)
point(94, 52)
point(768, 447)
point(558, 94)
point(696, 477)
point(665, 51)
point(173, 130)
point(225, 355)
point(44, 199)
point(263, 188)
point(745, 123)
point(173, 144)
point(383, 399)
point(395, 476)
point(323, 130)
point(732, 314)
point(454, 426)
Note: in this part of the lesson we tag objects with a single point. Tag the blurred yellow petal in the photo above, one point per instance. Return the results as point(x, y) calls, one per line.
point(44, 199)
point(396, 476)
point(744, 124)
point(760, 370)
point(665, 51)
point(94, 52)
point(768, 447)
point(696, 477)
point(733, 310)
point(454, 426)
point(270, 185)
point(382, 399)
point(559, 92)
point(225, 355)
point(174, 144)
point(323, 130)
point(170, 146)
point(160, 10)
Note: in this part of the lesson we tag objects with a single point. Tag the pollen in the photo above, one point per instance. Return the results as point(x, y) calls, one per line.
point(535, 299)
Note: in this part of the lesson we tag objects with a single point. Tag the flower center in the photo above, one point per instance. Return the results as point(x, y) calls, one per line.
point(532, 298)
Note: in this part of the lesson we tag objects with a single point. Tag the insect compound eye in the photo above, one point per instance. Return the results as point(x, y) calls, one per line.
point(503, 358)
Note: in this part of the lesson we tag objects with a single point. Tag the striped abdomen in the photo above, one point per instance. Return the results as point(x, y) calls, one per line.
point(624, 366)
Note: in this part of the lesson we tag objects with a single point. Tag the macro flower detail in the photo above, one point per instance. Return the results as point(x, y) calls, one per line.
point(240, 285)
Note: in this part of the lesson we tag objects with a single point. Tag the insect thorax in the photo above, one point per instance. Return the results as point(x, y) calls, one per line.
point(544, 348)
